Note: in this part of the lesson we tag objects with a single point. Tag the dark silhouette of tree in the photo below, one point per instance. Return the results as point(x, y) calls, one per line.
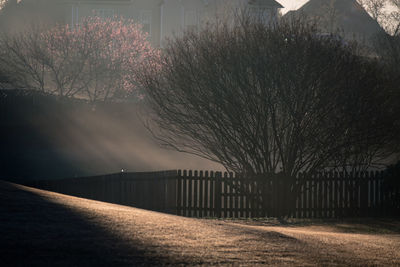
point(387, 48)
point(278, 99)
point(23, 57)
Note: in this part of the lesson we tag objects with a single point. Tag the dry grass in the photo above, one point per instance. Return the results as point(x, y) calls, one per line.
point(96, 233)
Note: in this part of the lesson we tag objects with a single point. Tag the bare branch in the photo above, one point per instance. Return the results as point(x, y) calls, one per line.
point(273, 99)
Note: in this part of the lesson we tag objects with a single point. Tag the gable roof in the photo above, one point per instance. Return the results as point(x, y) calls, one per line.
point(270, 3)
point(349, 16)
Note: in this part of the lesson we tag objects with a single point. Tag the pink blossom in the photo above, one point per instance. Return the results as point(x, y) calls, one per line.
point(112, 49)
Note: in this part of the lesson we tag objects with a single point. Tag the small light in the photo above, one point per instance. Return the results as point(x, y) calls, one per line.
point(122, 170)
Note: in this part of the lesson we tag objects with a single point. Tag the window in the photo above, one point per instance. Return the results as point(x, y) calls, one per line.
point(74, 16)
point(191, 20)
point(104, 13)
point(145, 20)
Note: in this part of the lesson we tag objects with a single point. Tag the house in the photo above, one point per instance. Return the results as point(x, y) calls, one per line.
point(346, 17)
point(160, 18)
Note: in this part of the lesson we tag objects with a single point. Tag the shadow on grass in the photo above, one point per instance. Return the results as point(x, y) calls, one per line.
point(369, 226)
point(346, 225)
point(36, 232)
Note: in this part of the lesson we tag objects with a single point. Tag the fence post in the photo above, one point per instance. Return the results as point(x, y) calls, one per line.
point(195, 194)
point(364, 194)
point(201, 194)
point(234, 196)
point(207, 196)
point(179, 193)
point(278, 196)
point(185, 193)
point(213, 182)
point(218, 193)
point(225, 194)
point(190, 194)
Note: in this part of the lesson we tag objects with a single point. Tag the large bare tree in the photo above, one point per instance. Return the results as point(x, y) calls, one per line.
point(260, 100)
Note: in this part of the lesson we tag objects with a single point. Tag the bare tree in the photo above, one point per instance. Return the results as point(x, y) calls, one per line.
point(387, 48)
point(269, 100)
point(385, 12)
point(395, 17)
point(374, 7)
point(21, 58)
point(388, 51)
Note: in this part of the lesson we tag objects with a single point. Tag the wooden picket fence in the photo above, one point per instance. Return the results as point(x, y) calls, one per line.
point(146, 190)
point(322, 195)
point(217, 194)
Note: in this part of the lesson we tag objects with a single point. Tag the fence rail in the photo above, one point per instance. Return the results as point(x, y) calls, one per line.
point(217, 194)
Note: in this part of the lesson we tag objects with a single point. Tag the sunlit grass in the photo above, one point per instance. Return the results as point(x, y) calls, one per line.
point(189, 241)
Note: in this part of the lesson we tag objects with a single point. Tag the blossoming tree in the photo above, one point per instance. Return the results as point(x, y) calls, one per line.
point(97, 59)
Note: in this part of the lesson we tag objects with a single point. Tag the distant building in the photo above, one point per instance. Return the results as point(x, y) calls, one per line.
point(345, 17)
point(160, 18)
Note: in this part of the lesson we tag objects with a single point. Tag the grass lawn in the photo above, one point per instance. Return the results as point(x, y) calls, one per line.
point(41, 228)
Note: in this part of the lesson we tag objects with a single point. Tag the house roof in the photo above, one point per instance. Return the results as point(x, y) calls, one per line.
point(271, 3)
point(348, 16)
